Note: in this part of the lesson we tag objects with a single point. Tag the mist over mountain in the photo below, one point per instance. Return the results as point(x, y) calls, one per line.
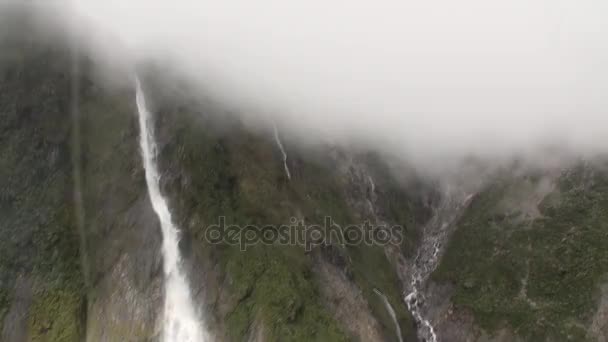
point(440, 167)
point(423, 80)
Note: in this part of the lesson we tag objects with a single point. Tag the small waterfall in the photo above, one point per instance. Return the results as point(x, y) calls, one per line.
point(391, 312)
point(371, 198)
point(180, 323)
point(278, 140)
point(435, 234)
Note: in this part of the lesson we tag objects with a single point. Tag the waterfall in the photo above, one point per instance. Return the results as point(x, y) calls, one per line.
point(435, 234)
point(278, 140)
point(370, 198)
point(391, 312)
point(180, 323)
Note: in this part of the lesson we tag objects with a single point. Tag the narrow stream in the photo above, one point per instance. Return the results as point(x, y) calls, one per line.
point(391, 312)
point(278, 141)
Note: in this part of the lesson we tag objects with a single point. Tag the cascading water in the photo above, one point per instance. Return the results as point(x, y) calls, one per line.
point(278, 140)
point(435, 234)
point(180, 323)
point(391, 312)
point(370, 199)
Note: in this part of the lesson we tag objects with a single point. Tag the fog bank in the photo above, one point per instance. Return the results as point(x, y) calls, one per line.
point(426, 80)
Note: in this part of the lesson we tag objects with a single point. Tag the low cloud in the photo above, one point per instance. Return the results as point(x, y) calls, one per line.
point(423, 80)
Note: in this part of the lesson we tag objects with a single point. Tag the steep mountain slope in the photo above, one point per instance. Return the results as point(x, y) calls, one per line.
point(523, 257)
point(39, 258)
point(63, 279)
point(529, 255)
point(80, 255)
point(214, 171)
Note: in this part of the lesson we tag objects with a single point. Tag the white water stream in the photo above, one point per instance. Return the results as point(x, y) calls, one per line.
point(434, 238)
point(278, 140)
point(180, 323)
point(391, 312)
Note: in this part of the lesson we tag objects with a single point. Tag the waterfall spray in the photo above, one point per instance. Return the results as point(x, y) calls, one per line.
point(180, 323)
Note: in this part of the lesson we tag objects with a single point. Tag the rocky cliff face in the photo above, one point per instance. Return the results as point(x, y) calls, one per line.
point(79, 239)
point(42, 280)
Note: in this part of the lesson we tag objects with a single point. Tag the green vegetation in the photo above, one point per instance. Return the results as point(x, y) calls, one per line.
point(539, 276)
point(208, 174)
point(39, 239)
point(371, 269)
point(276, 284)
point(56, 316)
point(240, 176)
point(242, 180)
